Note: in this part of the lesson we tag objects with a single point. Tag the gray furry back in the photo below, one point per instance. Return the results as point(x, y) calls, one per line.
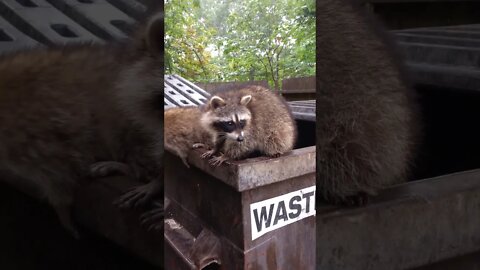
point(366, 123)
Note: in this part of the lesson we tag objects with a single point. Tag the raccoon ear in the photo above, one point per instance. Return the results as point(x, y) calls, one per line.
point(245, 100)
point(216, 102)
point(154, 34)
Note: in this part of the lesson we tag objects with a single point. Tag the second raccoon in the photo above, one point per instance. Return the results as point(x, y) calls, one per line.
point(183, 131)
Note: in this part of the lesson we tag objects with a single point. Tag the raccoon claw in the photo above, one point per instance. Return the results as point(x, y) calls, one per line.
point(217, 161)
point(153, 219)
point(207, 154)
point(135, 197)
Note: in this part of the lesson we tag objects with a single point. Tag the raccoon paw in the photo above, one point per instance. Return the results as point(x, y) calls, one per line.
point(207, 154)
point(154, 218)
point(136, 197)
point(217, 161)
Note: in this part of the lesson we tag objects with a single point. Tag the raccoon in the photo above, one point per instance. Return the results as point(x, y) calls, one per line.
point(183, 131)
point(367, 124)
point(242, 122)
point(70, 112)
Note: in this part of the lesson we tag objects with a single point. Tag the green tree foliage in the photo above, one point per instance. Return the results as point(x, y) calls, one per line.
point(241, 40)
point(186, 40)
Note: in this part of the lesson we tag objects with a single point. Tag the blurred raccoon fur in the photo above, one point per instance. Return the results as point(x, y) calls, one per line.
point(182, 132)
point(70, 112)
point(366, 113)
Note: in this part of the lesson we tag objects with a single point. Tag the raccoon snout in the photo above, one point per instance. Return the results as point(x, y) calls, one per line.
point(240, 138)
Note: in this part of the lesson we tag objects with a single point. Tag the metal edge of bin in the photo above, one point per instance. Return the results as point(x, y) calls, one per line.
point(405, 226)
point(255, 172)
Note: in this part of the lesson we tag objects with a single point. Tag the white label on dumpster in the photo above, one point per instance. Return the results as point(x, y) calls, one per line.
point(274, 213)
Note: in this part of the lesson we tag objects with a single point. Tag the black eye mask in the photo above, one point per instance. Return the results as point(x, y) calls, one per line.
point(229, 126)
point(242, 123)
point(225, 126)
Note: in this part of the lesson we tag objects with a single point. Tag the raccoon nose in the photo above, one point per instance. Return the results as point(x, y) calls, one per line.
point(240, 138)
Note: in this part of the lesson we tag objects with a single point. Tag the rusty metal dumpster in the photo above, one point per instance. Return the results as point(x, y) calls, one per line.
point(246, 214)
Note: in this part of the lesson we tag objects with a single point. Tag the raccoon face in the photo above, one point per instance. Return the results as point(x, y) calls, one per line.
point(230, 121)
point(232, 128)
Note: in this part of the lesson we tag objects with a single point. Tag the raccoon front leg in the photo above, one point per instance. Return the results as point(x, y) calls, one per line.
point(154, 218)
point(141, 195)
point(206, 154)
point(218, 160)
point(219, 143)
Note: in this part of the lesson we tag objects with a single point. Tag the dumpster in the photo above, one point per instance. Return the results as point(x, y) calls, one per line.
point(244, 214)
